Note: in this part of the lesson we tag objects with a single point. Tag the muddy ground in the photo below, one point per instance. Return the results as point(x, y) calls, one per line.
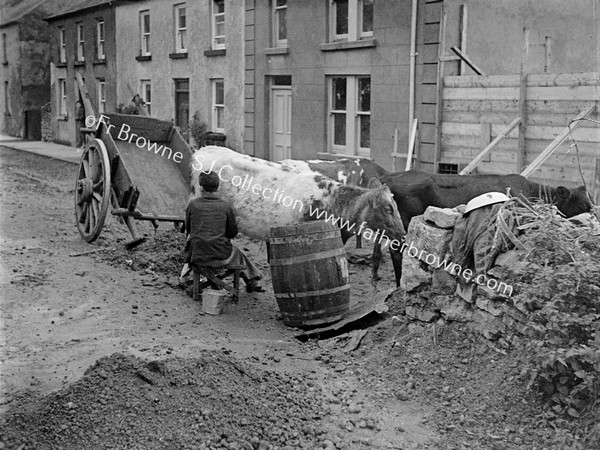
point(114, 312)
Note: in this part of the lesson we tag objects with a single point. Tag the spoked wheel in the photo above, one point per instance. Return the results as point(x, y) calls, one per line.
point(92, 190)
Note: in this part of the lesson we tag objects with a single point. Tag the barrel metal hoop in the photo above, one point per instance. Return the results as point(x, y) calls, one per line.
point(312, 293)
point(304, 237)
point(310, 257)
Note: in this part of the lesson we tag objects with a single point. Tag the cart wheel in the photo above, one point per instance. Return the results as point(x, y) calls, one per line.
point(92, 190)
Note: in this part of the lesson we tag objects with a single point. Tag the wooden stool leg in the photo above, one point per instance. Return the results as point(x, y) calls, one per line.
point(196, 284)
point(236, 285)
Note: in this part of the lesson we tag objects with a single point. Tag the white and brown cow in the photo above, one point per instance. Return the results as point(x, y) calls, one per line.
point(265, 194)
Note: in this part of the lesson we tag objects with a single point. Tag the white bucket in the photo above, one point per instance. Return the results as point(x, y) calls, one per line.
point(213, 301)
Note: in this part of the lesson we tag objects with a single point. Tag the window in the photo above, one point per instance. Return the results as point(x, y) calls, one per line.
point(80, 54)
point(218, 24)
point(218, 115)
point(100, 39)
point(62, 97)
point(351, 20)
point(349, 125)
point(146, 88)
point(145, 32)
point(101, 95)
point(180, 29)
point(279, 23)
point(62, 46)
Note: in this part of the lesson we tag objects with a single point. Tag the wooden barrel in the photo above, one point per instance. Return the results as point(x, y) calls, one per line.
point(309, 271)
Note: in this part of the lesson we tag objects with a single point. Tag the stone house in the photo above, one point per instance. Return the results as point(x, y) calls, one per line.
point(185, 58)
point(25, 69)
point(83, 42)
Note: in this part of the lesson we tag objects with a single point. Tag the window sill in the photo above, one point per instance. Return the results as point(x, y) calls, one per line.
point(143, 58)
point(348, 45)
point(99, 61)
point(277, 51)
point(61, 65)
point(216, 136)
point(63, 118)
point(334, 156)
point(178, 55)
point(217, 52)
point(79, 63)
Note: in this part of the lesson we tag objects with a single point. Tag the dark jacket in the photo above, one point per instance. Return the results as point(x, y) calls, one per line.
point(211, 224)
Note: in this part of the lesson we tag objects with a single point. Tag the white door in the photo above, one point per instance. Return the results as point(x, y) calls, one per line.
point(281, 123)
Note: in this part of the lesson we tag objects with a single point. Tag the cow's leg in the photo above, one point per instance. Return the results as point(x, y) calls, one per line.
point(376, 262)
point(397, 262)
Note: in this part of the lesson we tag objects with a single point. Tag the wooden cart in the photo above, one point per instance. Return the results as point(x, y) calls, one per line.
point(146, 177)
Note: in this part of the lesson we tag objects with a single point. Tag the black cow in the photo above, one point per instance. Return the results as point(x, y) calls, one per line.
point(414, 191)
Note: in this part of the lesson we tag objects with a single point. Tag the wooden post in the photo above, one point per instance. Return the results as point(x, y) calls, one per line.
point(548, 45)
point(411, 145)
point(88, 103)
point(463, 36)
point(439, 91)
point(542, 157)
point(597, 183)
point(522, 149)
point(486, 138)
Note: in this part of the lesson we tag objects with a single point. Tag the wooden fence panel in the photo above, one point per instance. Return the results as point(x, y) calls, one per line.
point(473, 105)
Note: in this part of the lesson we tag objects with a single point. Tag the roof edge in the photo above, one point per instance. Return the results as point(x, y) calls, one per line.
point(108, 4)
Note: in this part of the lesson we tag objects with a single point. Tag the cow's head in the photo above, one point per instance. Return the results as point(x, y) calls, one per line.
point(381, 213)
point(572, 202)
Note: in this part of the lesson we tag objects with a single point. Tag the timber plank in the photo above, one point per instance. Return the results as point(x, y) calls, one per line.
point(557, 120)
point(478, 116)
point(481, 105)
point(564, 79)
point(494, 93)
point(549, 133)
point(474, 129)
point(589, 93)
point(450, 152)
point(573, 107)
point(482, 81)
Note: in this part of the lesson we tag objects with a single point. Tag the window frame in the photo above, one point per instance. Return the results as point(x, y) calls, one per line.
point(145, 34)
point(214, 36)
point(180, 46)
point(80, 53)
point(216, 106)
point(355, 22)
point(147, 102)
point(100, 39)
point(277, 42)
point(62, 97)
point(353, 115)
point(101, 94)
point(62, 45)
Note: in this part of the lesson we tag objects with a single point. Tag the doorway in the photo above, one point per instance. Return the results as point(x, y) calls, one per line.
point(281, 118)
point(182, 106)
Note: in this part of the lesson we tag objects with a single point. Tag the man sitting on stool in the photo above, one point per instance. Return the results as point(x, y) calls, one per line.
point(210, 224)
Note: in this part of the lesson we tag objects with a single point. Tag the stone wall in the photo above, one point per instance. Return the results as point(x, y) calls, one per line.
point(47, 133)
point(429, 275)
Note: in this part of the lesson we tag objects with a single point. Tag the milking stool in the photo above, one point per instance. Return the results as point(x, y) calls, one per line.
point(209, 273)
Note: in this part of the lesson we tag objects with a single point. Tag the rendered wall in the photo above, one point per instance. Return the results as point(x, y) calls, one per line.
point(387, 64)
point(161, 70)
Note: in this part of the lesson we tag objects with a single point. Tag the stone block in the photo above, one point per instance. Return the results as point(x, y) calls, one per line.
point(512, 264)
point(413, 276)
point(442, 282)
point(442, 217)
point(488, 306)
point(453, 308)
point(426, 242)
point(492, 294)
point(514, 313)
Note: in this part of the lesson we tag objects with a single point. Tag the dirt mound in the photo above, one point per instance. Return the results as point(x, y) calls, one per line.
point(213, 401)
